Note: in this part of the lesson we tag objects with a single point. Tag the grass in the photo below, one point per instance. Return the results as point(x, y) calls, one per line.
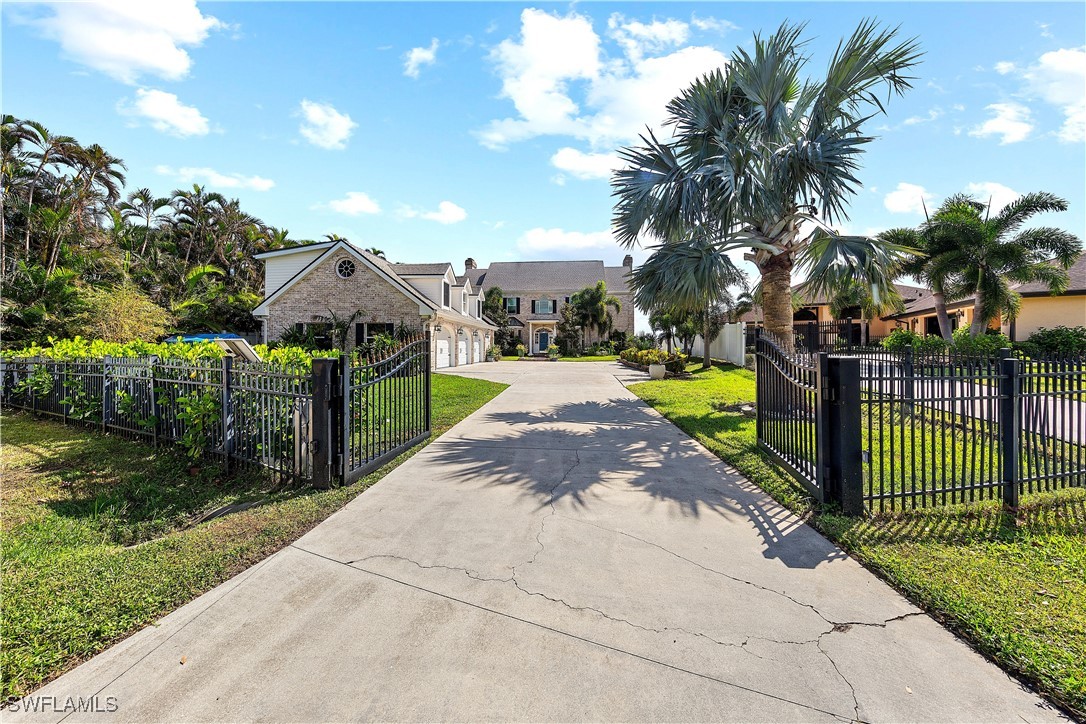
point(591, 358)
point(1014, 586)
point(101, 536)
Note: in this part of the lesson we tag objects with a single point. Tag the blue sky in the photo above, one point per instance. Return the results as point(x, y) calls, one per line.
point(441, 131)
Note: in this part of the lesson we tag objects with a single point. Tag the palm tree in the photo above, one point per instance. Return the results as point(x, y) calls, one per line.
point(990, 254)
point(52, 149)
point(760, 155)
point(376, 252)
point(662, 322)
point(195, 213)
point(928, 264)
point(594, 305)
point(687, 276)
point(143, 205)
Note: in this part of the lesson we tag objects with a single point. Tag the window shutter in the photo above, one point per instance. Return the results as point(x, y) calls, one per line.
point(533, 306)
point(359, 333)
point(518, 306)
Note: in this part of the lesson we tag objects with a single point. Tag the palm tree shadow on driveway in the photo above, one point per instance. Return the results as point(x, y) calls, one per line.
point(594, 454)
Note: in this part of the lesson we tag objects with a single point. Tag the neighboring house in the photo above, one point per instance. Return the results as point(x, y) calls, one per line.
point(303, 283)
point(534, 292)
point(1040, 308)
point(817, 310)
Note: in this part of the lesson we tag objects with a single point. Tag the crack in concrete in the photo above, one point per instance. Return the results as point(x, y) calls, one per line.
point(851, 688)
point(554, 511)
point(474, 575)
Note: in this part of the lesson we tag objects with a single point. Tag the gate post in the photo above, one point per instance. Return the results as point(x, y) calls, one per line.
point(759, 375)
point(227, 410)
point(321, 444)
point(846, 447)
point(1010, 424)
point(823, 426)
point(427, 373)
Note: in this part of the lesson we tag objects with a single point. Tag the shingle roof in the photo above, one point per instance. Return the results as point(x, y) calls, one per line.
point(907, 291)
point(544, 275)
point(615, 277)
point(475, 276)
point(1077, 272)
point(421, 269)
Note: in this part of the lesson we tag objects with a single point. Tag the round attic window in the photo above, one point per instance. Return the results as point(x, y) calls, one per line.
point(345, 268)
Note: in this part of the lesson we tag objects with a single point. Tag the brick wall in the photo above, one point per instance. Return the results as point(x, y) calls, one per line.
point(322, 289)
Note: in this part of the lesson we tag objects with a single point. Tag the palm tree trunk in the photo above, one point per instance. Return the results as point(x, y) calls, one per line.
point(940, 312)
point(706, 358)
point(979, 323)
point(777, 298)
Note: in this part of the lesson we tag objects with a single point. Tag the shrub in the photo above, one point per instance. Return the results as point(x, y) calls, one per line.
point(521, 350)
point(642, 341)
point(123, 313)
point(901, 339)
point(496, 352)
point(553, 351)
point(1058, 340)
point(676, 363)
point(986, 344)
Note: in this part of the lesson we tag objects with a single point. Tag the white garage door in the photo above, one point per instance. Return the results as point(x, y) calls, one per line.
point(476, 353)
point(462, 352)
point(442, 353)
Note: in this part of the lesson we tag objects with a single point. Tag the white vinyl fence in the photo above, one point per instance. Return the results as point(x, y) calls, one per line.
point(730, 346)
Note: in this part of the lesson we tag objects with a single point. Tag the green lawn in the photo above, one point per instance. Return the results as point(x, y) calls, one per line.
point(1016, 588)
point(101, 536)
point(592, 358)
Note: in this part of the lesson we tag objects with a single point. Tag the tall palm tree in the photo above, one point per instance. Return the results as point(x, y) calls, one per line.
point(990, 254)
point(929, 265)
point(761, 155)
point(51, 149)
point(594, 305)
point(195, 214)
point(689, 276)
point(143, 205)
point(662, 322)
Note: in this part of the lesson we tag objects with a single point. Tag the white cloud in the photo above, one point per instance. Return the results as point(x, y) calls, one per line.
point(126, 39)
point(1059, 78)
point(932, 115)
point(1004, 67)
point(415, 58)
point(618, 96)
point(999, 194)
point(355, 203)
point(559, 241)
point(446, 213)
point(215, 179)
point(165, 113)
point(637, 38)
point(585, 165)
point(324, 126)
point(711, 24)
point(1010, 121)
point(907, 199)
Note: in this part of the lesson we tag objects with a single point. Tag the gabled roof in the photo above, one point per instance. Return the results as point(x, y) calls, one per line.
point(381, 267)
point(543, 275)
point(475, 276)
point(1077, 272)
point(421, 270)
point(295, 249)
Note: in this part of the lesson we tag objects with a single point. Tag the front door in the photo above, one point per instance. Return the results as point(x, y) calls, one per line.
point(544, 341)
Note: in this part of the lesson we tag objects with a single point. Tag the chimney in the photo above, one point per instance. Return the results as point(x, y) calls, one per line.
point(469, 263)
point(627, 261)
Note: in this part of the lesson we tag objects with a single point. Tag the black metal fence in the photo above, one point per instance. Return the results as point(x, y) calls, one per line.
point(875, 430)
point(332, 424)
point(812, 337)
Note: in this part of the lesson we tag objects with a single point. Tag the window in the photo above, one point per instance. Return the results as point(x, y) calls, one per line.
point(463, 302)
point(364, 333)
point(345, 268)
point(446, 291)
point(543, 306)
point(478, 308)
point(512, 304)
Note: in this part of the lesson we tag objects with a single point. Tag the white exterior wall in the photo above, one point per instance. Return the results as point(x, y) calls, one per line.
point(278, 270)
point(730, 345)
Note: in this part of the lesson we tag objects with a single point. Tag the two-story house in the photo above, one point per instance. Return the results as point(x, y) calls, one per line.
point(303, 284)
point(535, 291)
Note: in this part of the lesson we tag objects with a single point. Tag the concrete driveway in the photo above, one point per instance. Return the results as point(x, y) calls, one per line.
point(564, 554)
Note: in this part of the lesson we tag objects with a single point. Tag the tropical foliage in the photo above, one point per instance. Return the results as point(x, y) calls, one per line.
point(72, 242)
point(763, 159)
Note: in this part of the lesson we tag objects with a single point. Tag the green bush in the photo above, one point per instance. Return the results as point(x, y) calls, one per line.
point(674, 363)
point(496, 352)
point(521, 350)
point(987, 344)
point(901, 339)
point(1058, 340)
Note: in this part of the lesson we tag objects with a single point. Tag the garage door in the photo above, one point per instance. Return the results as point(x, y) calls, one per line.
point(442, 353)
point(462, 352)
point(476, 352)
